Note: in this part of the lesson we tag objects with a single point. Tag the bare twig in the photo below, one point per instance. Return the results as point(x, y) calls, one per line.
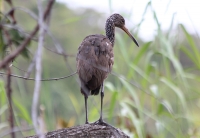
point(9, 41)
point(11, 12)
point(38, 64)
point(8, 38)
point(33, 15)
point(9, 92)
point(19, 29)
point(33, 79)
point(27, 40)
point(60, 53)
point(30, 68)
point(18, 68)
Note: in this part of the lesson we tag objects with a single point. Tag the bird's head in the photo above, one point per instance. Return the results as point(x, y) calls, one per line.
point(119, 22)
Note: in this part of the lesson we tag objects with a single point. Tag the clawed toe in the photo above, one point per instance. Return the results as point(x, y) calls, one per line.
point(101, 122)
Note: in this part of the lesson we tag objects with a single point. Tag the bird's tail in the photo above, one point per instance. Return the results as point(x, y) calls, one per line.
point(96, 91)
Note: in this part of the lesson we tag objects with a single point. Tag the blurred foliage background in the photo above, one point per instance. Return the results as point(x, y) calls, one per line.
point(153, 91)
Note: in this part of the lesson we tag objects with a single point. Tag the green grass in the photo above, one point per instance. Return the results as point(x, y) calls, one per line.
point(161, 104)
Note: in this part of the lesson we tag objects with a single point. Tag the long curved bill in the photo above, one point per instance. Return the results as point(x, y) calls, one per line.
point(129, 34)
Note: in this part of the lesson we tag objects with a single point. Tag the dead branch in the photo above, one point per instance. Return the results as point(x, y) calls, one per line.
point(33, 79)
point(38, 66)
point(60, 53)
point(9, 92)
point(86, 131)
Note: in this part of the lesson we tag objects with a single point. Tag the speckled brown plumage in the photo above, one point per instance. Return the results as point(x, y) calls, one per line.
point(95, 58)
point(94, 61)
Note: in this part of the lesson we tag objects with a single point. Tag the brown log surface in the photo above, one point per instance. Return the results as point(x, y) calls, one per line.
point(86, 131)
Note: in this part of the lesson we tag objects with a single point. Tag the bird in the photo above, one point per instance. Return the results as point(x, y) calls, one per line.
point(95, 59)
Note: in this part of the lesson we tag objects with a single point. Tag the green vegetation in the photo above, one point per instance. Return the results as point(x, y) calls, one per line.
point(153, 91)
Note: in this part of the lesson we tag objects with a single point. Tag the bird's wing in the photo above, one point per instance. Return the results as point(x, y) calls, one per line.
point(95, 51)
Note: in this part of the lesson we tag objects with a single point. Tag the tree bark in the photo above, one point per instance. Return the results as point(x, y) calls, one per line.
point(86, 131)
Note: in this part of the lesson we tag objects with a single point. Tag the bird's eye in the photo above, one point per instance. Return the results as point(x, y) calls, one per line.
point(123, 21)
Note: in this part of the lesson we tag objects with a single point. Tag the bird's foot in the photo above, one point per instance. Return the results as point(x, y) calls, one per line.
point(101, 122)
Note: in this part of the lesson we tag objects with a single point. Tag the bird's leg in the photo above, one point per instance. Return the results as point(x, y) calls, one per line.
point(102, 95)
point(86, 110)
point(85, 91)
point(100, 121)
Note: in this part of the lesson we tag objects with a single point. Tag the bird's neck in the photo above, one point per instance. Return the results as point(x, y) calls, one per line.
point(110, 30)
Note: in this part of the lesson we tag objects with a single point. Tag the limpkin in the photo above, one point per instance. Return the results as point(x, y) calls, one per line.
point(95, 59)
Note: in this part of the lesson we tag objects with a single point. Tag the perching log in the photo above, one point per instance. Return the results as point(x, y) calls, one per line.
point(86, 131)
